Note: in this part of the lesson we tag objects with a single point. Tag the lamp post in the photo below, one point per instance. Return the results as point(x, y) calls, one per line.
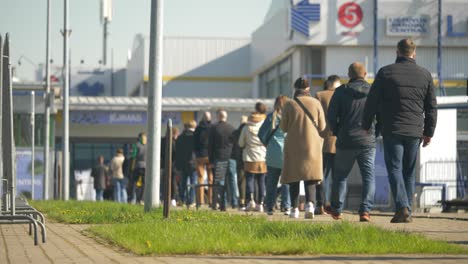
point(152, 177)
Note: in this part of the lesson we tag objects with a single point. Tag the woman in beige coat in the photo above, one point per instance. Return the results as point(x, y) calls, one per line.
point(254, 156)
point(303, 146)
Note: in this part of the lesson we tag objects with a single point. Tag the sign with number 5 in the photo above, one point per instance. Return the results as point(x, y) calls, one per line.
point(350, 14)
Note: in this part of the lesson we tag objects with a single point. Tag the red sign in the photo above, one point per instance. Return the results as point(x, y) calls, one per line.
point(350, 14)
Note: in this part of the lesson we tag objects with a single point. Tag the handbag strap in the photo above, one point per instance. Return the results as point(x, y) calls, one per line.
point(306, 112)
point(271, 135)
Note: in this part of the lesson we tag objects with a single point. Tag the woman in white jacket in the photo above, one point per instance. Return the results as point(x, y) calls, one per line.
point(254, 156)
point(118, 179)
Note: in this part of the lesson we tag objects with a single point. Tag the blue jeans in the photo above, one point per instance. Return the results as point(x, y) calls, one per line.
point(221, 171)
point(323, 190)
point(120, 190)
point(250, 188)
point(344, 161)
point(231, 181)
point(99, 194)
point(272, 179)
point(400, 158)
point(184, 189)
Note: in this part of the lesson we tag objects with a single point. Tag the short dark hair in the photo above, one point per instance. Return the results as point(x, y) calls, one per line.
point(260, 108)
point(301, 83)
point(333, 78)
point(330, 81)
point(406, 47)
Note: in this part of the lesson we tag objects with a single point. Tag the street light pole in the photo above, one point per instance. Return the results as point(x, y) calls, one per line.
point(65, 112)
point(33, 142)
point(154, 106)
point(47, 109)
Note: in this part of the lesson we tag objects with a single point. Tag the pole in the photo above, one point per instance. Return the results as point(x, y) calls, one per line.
point(168, 170)
point(154, 106)
point(439, 48)
point(376, 33)
point(33, 134)
point(47, 109)
point(65, 114)
point(104, 42)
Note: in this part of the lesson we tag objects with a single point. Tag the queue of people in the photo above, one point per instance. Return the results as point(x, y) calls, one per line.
point(314, 140)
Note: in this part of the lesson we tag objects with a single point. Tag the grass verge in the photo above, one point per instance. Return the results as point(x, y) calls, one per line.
point(206, 232)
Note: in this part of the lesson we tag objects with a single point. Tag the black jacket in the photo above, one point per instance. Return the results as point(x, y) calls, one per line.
point(221, 142)
point(201, 139)
point(236, 149)
point(184, 154)
point(345, 114)
point(404, 94)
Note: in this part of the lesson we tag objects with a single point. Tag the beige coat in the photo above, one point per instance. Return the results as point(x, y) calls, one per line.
point(254, 150)
point(329, 141)
point(116, 166)
point(303, 144)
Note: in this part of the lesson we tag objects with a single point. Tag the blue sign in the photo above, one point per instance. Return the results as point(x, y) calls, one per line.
point(24, 175)
point(119, 117)
point(302, 14)
point(86, 89)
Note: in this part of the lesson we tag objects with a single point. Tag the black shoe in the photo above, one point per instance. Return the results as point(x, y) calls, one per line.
point(402, 216)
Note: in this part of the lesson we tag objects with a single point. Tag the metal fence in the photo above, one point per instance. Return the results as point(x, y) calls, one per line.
point(443, 180)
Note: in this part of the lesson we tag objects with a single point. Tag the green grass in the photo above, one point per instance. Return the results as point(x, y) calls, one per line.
point(206, 232)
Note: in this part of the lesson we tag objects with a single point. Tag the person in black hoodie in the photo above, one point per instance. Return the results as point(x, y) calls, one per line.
point(404, 94)
point(344, 118)
point(201, 138)
point(184, 163)
point(220, 151)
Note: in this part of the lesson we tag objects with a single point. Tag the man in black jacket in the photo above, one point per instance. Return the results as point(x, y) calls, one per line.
point(344, 118)
point(404, 95)
point(220, 150)
point(203, 165)
point(185, 163)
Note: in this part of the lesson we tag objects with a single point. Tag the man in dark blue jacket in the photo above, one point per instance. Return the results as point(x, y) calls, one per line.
point(404, 95)
point(344, 116)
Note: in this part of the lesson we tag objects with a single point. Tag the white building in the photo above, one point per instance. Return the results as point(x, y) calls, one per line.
point(331, 34)
point(194, 67)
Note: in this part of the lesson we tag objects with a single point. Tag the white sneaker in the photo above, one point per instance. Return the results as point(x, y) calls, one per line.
point(260, 208)
point(309, 211)
point(173, 203)
point(287, 212)
point(294, 213)
point(251, 206)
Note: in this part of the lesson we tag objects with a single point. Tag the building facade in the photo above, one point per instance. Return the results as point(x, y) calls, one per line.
point(194, 67)
point(318, 38)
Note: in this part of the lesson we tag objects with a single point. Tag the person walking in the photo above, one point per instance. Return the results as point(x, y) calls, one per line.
point(138, 179)
point(185, 163)
point(345, 113)
point(323, 189)
point(303, 120)
point(220, 151)
point(254, 156)
point(118, 177)
point(272, 137)
point(99, 173)
point(203, 165)
point(403, 93)
point(237, 156)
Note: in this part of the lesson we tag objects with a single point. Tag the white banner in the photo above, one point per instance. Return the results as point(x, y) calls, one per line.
point(408, 25)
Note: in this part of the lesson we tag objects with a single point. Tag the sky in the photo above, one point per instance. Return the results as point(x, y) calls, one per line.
point(25, 20)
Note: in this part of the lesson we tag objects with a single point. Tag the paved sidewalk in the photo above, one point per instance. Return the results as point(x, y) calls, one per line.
point(66, 244)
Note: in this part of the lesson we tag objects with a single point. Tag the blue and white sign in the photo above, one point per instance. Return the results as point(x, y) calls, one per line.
point(408, 26)
point(302, 15)
point(119, 117)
